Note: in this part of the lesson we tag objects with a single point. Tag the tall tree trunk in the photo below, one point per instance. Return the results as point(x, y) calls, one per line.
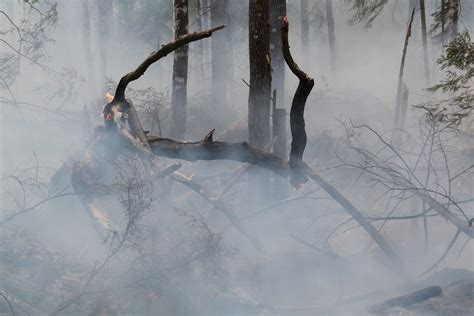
point(331, 33)
point(260, 73)
point(425, 43)
point(103, 41)
point(86, 41)
point(180, 72)
point(219, 52)
point(454, 17)
point(259, 93)
point(396, 137)
point(304, 25)
point(278, 11)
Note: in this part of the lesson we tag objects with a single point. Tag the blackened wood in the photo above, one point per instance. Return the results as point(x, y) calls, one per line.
point(260, 73)
point(155, 56)
point(408, 299)
point(297, 123)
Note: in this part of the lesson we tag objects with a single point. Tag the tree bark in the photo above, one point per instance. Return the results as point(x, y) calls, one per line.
point(180, 72)
point(425, 42)
point(331, 34)
point(297, 123)
point(219, 52)
point(398, 105)
point(260, 73)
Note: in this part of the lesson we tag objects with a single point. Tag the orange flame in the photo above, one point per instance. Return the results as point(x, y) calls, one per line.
point(109, 97)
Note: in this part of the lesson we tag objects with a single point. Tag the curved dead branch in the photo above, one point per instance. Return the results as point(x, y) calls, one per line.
point(297, 124)
point(155, 56)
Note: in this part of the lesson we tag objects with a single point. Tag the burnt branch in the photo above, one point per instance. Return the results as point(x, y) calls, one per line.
point(297, 124)
point(155, 56)
point(215, 150)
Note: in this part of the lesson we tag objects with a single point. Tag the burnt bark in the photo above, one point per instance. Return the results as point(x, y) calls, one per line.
point(297, 123)
point(260, 73)
point(180, 72)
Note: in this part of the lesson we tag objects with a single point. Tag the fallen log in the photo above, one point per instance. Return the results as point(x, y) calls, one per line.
point(407, 300)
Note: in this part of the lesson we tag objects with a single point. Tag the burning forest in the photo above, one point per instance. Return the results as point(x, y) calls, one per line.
point(247, 157)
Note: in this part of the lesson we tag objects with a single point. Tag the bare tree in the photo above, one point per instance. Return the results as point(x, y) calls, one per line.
point(399, 112)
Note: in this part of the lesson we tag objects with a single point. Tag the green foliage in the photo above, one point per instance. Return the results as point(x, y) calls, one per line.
point(458, 66)
point(365, 11)
point(440, 19)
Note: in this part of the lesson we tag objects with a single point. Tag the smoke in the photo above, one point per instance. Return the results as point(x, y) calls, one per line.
point(202, 243)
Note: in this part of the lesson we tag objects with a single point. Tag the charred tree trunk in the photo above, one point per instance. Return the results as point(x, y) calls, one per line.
point(304, 25)
point(103, 41)
point(260, 91)
point(86, 40)
point(219, 52)
point(425, 42)
point(331, 33)
point(260, 73)
point(180, 72)
point(398, 105)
